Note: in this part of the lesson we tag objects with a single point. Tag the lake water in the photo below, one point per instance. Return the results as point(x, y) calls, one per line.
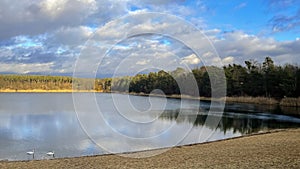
point(48, 122)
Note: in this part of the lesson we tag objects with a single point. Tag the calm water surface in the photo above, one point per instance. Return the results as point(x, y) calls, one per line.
point(48, 122)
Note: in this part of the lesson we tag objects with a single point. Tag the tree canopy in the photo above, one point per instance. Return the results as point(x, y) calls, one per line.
point(254, 79)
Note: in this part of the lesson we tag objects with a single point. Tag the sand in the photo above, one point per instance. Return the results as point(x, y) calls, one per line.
point(277, 149)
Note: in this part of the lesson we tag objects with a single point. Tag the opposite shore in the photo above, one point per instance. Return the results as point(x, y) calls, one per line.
point(43, 91)
point(287, 101)
point(275, 149)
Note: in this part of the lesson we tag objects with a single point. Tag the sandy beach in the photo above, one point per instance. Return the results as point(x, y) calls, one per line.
point(276, 149)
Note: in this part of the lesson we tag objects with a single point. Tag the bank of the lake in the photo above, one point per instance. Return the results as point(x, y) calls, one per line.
point(288, 102)
point(276, 149)
point(44, 91)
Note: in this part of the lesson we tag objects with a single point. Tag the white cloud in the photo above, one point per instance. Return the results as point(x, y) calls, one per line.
point(243, 47)
point(71, 36)
point(5, 53)
point(53, 7)
point(228, 60)
point(36, 17)
point(26, 68)
point(191, 60)
point(65, 25)
point(142, 62)
point(207, 54)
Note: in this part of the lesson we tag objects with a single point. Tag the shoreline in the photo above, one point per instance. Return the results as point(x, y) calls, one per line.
point(141, 152)
point(275, 148)
point(286, 102)
point(46, 91)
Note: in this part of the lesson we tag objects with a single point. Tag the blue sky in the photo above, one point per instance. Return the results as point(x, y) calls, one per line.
point(255, 17)
point(49, 36)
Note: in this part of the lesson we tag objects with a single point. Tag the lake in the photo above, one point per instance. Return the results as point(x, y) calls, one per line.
point(49, 122)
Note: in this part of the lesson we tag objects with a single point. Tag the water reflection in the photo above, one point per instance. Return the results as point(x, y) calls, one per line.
point(42, 122)
point(243, 123)
point(48, 122)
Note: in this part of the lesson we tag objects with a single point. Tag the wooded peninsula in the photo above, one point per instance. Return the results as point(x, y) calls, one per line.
point(254, 80)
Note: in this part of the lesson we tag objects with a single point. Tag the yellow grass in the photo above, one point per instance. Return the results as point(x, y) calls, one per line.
point(255, 100)
point(292, 102)
point(44, 91)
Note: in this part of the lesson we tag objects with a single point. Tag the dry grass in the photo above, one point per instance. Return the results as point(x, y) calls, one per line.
point(43, 91)
point(291, 102)
point(254, 100)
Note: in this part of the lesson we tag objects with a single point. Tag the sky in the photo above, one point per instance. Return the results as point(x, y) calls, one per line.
point(125, 37)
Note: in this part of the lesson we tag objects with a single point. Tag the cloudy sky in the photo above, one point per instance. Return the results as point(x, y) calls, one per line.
point(60, 36)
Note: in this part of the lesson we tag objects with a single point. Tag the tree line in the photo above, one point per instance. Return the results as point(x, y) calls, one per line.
point(254, 79)
point(266, 79)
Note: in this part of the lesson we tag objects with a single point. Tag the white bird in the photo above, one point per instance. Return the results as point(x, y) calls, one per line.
point(31, 153)
point(51, 153)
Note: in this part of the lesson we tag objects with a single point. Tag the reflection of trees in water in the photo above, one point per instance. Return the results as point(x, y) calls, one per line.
point(243, 123)
point(257, 108)
point(294, 111)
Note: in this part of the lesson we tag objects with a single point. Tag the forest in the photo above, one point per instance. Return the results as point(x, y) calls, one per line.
point(254, 79)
